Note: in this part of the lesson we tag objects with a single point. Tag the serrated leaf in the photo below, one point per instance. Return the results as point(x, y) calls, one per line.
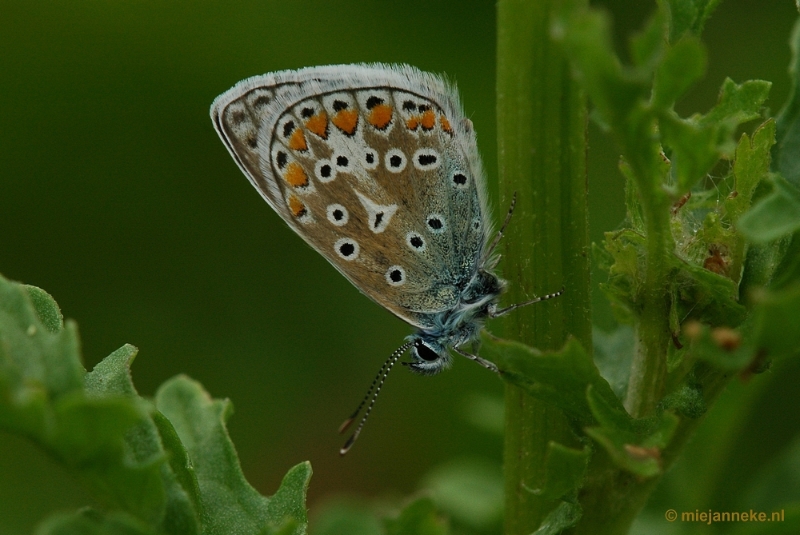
point(31, 357)
point(42, 397)
point(417, 518)
point(229, 503)
point(557, 377)
point(682, 66)
point(179, 512)
point(750, 167)
point(737, 104)
point(565, 470)
point(774, 216)
point(290, 499)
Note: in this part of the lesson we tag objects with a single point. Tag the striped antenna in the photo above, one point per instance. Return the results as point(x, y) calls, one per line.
point(372, 395)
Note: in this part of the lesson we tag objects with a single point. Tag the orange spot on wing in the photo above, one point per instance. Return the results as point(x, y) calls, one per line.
point(295, 176)
point(428, 120)
point(413, 122)
point(298, 140)
point(380, 116)
point(445, 124)
point(346, 121)
point(296, 206)
point(319, 124)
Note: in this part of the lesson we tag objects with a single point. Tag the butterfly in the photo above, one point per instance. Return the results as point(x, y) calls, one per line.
point(377, 168)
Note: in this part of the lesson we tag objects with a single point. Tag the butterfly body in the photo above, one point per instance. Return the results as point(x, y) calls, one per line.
point(376, 167)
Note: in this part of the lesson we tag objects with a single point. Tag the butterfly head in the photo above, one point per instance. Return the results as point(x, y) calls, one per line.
point(428, 356)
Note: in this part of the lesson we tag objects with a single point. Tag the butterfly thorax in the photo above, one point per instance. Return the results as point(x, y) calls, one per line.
point(456, 326)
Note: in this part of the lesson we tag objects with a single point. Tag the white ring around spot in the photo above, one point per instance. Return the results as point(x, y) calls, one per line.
point(345, 214)
point(388, 157)
point(413, 234)
point(318, 171)
point(391, 270)
point(427, 152)
point(343, 241)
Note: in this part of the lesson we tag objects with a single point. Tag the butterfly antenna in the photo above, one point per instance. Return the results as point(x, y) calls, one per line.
point(372, 396)
point(503, 311)
point(500, 232)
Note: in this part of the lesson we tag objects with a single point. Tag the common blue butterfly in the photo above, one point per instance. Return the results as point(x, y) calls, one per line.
point(376, 167)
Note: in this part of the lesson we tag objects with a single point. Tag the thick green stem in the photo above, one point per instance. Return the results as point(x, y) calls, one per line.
point(542, 150)
point(649, 370)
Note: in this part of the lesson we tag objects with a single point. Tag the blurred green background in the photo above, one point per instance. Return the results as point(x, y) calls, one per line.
point(117, 197)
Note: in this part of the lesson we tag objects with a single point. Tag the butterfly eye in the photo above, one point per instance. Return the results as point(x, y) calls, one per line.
point(424, 352)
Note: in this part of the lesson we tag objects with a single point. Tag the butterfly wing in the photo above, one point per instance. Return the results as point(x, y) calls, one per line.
point(376, 168)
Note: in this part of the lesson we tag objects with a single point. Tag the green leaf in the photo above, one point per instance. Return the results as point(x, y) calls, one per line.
point(682, 66)
point(565, 470)
point(647, 46)
point(557, 377)
point(469, 491)
point(290, 499)
point(694, 149)
point(417, 518)
point(230, 504)
point(179, 511)
point(737, 104)
point(564, 516)
point(615, 91)
point(750, 167)
point(688, 16)
point(787, 149)
point(633, 445)
point(774, 216)
point(35, 363)
point(613, 354)
point(46, 308)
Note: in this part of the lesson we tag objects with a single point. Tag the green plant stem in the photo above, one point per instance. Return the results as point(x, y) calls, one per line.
point(542, 151)
point(649, 369)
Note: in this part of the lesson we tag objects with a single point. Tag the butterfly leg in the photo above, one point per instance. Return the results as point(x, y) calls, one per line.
point(483, 362)
point(494, 313)
point(500, 232)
